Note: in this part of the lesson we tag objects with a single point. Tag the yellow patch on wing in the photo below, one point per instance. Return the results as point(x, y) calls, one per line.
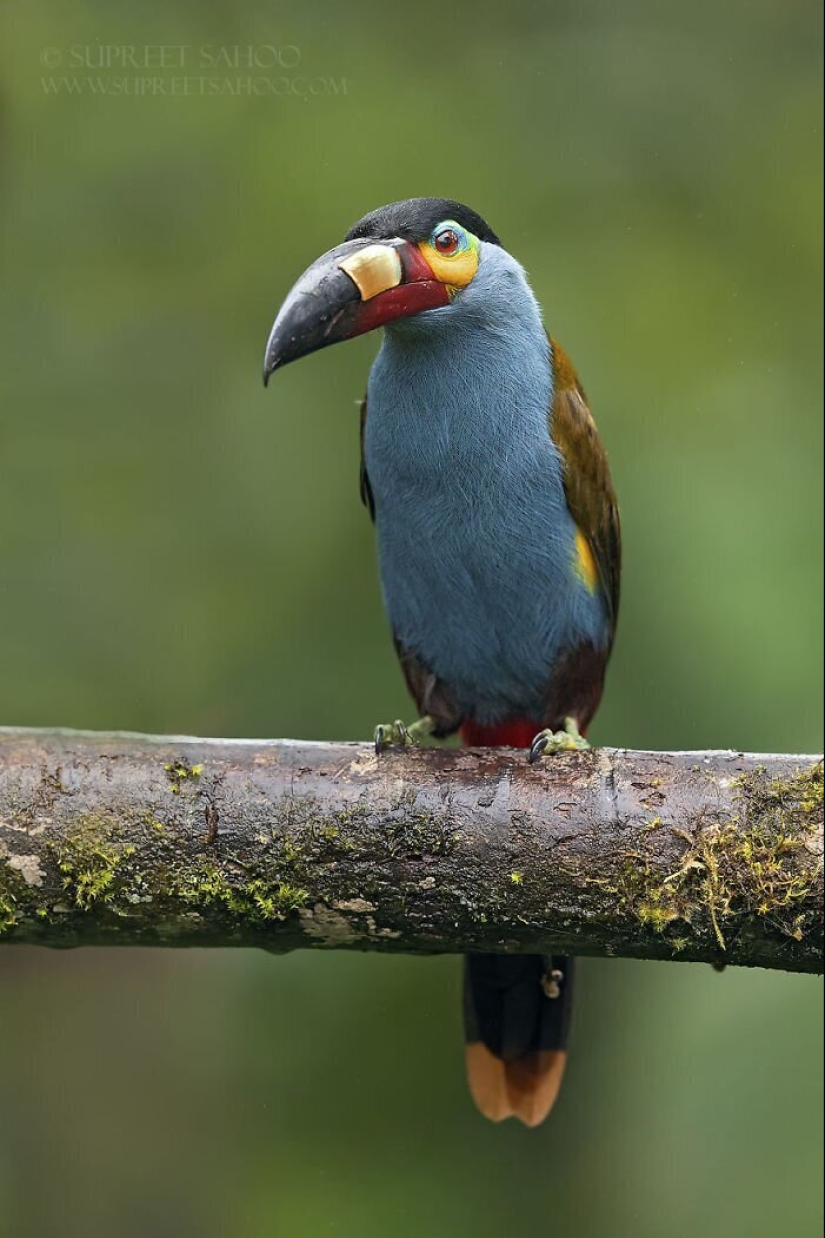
point(585, 562)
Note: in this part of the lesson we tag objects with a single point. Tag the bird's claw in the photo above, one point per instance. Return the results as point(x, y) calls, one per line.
point(548, 742)
point(397, 733)
point(389, 733)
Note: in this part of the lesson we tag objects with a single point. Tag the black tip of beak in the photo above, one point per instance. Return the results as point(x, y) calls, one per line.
point(274, 356)
point(321, 309)
point(317, 312)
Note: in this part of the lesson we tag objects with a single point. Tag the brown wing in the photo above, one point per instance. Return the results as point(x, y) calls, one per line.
point(366, 489)
point(587, 483)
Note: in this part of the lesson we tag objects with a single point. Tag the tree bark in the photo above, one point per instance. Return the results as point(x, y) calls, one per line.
point(136, 840)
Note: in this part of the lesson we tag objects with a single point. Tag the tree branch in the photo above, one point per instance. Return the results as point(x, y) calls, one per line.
point(135, 840)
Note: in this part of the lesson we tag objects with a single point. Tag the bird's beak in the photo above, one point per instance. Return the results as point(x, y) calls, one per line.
point(354, 288)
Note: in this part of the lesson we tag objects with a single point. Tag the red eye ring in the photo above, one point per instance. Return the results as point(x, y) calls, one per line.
point(447, 242)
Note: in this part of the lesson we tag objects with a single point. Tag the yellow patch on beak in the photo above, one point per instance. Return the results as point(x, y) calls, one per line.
point(374, 269)
point(455, 272)
point(585, 562)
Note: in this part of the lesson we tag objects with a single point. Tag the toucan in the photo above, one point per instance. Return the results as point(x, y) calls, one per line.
point(498, 543)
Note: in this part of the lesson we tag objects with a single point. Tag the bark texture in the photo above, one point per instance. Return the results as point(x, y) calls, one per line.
point(136, 840)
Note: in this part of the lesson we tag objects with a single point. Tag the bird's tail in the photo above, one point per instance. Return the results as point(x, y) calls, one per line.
point(516, 1006)
point(516, 1016)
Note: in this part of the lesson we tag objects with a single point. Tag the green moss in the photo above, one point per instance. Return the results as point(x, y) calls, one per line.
point(89, 859)
point(415, 835)
point(254, 901)
point(800, 797)
point(109, 866)
point(101, 871)
point(657, 911)
point(262, 900)
point(17, 897)
point(758, 863)
point(778, 861)
point(306, 835)
point(9, 891)
point(8, 913)
point(179, 772)
point(642, 894)
point(290, 851)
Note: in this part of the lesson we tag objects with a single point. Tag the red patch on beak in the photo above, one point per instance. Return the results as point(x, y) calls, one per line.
point(420, 290)
point(401, 302)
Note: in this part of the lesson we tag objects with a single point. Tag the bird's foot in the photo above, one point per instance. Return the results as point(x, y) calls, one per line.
point(396, 734)
point(548, 742)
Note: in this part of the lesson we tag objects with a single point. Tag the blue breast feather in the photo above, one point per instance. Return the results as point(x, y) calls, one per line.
point(476, 542)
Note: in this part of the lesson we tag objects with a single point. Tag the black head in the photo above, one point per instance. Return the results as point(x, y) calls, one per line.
point(395, 263)
point(415, 219)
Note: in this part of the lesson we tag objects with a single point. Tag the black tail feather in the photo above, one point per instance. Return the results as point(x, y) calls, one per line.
point(517, 1004)
point(516, 1017)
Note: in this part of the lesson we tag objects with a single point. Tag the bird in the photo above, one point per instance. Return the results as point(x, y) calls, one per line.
point(499, 544)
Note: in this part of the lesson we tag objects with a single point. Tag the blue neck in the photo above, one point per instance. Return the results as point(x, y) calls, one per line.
point(461, 388)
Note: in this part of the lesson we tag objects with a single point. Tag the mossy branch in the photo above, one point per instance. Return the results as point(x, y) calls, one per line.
point(134, 840)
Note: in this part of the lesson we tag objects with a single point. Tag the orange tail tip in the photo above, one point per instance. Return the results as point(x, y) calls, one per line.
point(515, 1026)
point(525, 1088)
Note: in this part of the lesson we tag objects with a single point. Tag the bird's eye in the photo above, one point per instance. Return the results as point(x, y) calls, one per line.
point(447, 241)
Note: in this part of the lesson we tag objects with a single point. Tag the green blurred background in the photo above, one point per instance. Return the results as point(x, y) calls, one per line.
point(181, 553)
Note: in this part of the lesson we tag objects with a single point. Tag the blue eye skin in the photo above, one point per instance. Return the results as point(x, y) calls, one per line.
point(449, 239)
